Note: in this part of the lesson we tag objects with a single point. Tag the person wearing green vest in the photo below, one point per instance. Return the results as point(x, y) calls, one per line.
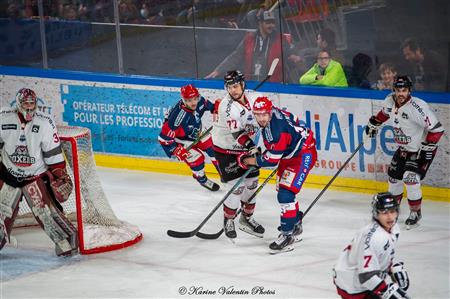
point(326, 72)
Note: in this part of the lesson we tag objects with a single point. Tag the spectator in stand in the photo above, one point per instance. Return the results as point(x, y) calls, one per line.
point(387, 73)
point(326, 72)
point(70, 13)
point(103, 11)
point(429, 67)
point(358, 75)
point(325, 40)
point(128, 12)
point(257, 50)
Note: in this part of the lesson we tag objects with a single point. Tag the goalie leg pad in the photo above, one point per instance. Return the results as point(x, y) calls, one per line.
point(9, 207)
point(51, 219)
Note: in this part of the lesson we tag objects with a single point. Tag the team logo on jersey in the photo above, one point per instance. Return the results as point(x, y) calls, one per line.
point(22, 138)
point(21, 157)
point(9, 127)
point(400, 137)
point(194, 132)
point(396, 121)
point(404, 115)
point(35, 129)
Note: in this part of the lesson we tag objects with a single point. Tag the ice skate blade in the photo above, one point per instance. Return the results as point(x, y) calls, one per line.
point(297, 239)
point(285, 249)
point(250, 231)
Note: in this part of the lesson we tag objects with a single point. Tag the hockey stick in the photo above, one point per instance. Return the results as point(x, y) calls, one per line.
point(219, 233)
point(269, 74)
point(177, 234)
point(199, 138)
point(333, 178)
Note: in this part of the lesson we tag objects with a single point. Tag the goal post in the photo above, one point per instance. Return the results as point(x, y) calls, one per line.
point(99, 229)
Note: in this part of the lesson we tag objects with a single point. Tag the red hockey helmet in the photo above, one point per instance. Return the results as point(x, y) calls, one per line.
point(262, 105)
point(26, 96)
point(189, 92)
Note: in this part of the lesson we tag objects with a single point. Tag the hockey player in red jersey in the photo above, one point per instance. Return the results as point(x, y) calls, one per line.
point(183, 126)
point(293, 148)
point(32, 166)
point(417, 132)
point(366, 268)
point(233, 134)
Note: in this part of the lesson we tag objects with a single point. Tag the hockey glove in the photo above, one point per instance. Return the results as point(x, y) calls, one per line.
point(427, 151)
point(241, 158)
point(61, 184)
point(394, 292)
point(400, 276)
point(181, 153)
point(372, 127)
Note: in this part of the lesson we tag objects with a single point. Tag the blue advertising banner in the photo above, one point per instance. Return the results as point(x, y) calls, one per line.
point(122, 120)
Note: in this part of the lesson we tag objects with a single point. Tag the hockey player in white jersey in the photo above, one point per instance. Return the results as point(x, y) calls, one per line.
point(417, 132)
point(233, 134)
point(366, 268)
point(32, 167)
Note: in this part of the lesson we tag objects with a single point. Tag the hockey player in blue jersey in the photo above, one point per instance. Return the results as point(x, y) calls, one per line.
point(293, 148)
point(182, 126)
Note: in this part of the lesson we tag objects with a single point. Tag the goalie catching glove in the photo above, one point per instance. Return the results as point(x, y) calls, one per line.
point(61, 183)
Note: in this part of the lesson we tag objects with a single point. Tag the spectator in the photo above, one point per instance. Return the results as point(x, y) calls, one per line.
point(429, 68)
point(128, 12)
point(70, 13)
point(358, 75)
point(387, 73)
point(325, 40)
point(326, 72)
point(257, 50)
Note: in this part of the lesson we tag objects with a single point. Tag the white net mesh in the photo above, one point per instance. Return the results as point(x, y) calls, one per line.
point(100, 229)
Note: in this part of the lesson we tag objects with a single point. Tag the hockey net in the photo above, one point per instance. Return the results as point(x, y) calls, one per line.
point(99, 230)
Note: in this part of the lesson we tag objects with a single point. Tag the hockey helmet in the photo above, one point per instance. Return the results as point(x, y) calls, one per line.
point(383, 202)
point(402, 81)
point(262, 105)
point(189, 91)
point(26, 96)
point(233, 77)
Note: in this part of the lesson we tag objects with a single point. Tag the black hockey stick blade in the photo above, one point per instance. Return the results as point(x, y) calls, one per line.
point(177, 234)
point(219, 233)
point(209, 236)
point(180, 235)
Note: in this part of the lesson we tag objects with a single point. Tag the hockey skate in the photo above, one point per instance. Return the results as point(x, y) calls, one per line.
point(298, 230)
point(250, 226)
point(229, 229)
point(282, 244)
point(207, 183)
point(413, 219)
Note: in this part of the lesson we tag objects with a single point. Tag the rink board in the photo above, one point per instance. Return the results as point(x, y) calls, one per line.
point(125, 115)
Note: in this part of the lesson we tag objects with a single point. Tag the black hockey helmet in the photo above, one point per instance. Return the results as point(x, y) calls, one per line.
point(383, 202)
point(402, 81)
point(233, 77)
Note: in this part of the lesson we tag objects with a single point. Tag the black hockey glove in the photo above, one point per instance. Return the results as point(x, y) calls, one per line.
point(372, 127)
point(427, 151)
point(400, 276)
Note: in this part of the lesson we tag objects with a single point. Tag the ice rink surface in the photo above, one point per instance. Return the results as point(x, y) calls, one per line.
point(164, 267)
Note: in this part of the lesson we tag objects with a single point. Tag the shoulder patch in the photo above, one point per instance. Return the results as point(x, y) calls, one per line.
point(9, 127)
point(179, 118)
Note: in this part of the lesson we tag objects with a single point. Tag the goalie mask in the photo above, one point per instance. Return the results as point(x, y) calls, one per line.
point(383, 202)
point(26, 102)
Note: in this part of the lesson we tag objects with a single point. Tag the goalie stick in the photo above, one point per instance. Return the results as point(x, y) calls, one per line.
point(177, 234)
point(219, 233)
